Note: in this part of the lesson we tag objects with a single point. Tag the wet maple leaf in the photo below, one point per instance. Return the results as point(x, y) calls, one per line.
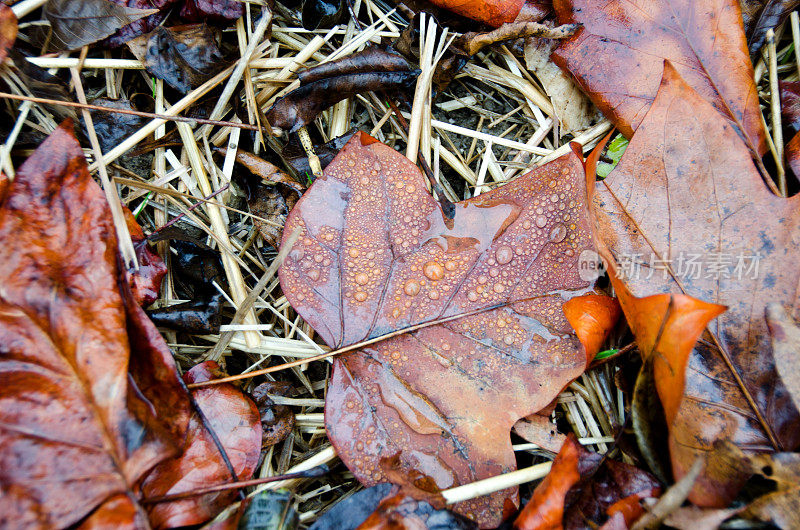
point(686, 189)
point(376, 255)
point(91, 398)
point(629, 41)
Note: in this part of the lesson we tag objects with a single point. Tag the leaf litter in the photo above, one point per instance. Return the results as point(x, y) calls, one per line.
point(493, 121)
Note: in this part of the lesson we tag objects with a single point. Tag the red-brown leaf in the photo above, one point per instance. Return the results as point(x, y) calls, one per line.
point(618, 57)
point(686, 187)
point(236, 423)
point(91, 399)
point(376, 255)
point(495, 12)
point(8, 30)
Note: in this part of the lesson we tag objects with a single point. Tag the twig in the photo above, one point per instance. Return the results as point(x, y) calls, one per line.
point(775, 106)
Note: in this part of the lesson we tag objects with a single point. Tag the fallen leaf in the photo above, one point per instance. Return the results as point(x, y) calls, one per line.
point(350, 512)
point(91, 397)
point(183, 56)
point(202, 315)
point(76, 23)
point(376, 255)
point(8, 30)
point(294, 154)
point(694, 518)
point(584, 490)
point(592, 316)
point(545, 510)
point(372, 69)
point(495, 13)
point(42, 84)
point(401, 512)
point(322, 13)
point(785, 337)
point(538, 429)
point(629, 41)
point(236, 423)
point(790, 103)
point(782, 506)
point(760, 16)
point(574, 110)
point(277, 421)
point(112, 127)
point(648, 421)
point(671, 500)
point(211, 10)
point(473, 42)
point(145, 280)
point(667, 240)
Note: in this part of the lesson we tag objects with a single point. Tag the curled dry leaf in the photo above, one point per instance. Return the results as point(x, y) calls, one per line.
point(76, 23)
point(376, 255)
point(81, 366)
point(145, 281)
point(648, 213)
point(629, 41)
point(538, 429)
point(236, 424)
point(592, 316)
point(473, 42)
point(372, 69)
point(8, 30)
point(202, 315)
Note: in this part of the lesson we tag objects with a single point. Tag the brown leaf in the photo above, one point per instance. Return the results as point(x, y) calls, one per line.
point(91, 397)
point(538, 429)
point(377, 255)
point(277, 421)
point(145, 281)
point(785, 335)
point(322, 86)
point(8, 30)
point(574, 110)
point(629, 41)
point(77, 23)
point(592, 316)
point(236, 423)
point(473, 42)
point(694, 518)
point(211, 10)
point(682, 202)
point(183, 56)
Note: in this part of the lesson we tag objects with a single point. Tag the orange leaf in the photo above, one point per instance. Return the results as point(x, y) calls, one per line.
point(592, 316)
point(8, 30)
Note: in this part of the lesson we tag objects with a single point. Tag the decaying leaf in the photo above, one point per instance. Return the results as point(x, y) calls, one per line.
point(377, 255)
point(401, 512)
point(629, 41)
point(294, 154)
point(211, 10)
point(277, 421)
point(584, 490)
point(322, 13)
point(474, 42)
point(111, 127)
point(202, 315)
point(648, 422)
point(785, 335)
point(91, 396)
point(694, 518)
point(760, 16)
point(8, 30)
point(372, 69)
point(350, 512)
point(76, 23)
point(236, 424)
point(780, 507)
point(183, 56)
point(145, 281)
point(667, 240)
point(670, 501)
point(574, 110)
